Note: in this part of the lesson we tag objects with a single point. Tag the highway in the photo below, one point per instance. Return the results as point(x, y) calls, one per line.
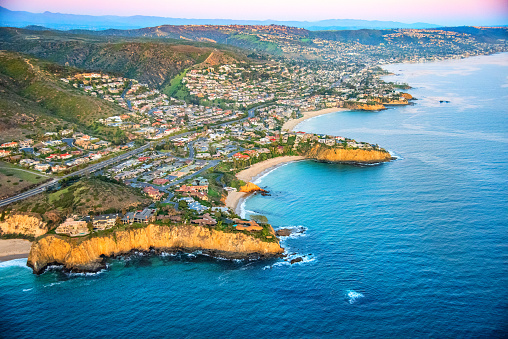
point(98, 166)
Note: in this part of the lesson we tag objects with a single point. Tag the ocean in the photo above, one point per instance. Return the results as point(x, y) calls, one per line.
point(417, 247)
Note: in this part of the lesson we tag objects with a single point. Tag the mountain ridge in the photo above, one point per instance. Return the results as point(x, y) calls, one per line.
point(77, 21)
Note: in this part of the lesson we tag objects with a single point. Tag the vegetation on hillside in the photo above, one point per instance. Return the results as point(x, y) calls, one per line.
point(92, 195)
point(33, 100)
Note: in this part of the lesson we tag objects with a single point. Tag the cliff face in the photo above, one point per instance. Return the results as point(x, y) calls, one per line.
point(23, 224)
point(323, 153)
point(365, 107)
point(87, 254)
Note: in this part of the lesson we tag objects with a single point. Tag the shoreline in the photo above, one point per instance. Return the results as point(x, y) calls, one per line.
point(14, 249)
point(234, 199)
point(292, 123)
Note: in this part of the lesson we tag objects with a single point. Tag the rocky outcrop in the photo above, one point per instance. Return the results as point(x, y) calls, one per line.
point(346, 155)
point(87, 254)
point(367, 107)
point(406, 96)
point(23, 224)
point(250, 188)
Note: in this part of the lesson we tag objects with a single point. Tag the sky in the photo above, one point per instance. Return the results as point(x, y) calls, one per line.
point(442, 12)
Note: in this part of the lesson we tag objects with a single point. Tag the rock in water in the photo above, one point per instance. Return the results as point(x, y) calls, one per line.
point(250, 187)
point(295, 260)
point(283, 232)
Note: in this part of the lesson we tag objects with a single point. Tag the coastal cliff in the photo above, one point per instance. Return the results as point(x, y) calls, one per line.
point(366, 107)
point(87, 254)
point(328, 154)
point(23, 224)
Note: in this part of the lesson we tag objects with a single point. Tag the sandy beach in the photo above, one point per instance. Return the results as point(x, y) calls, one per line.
point(14, 249)
point(290, 124)
point(250, 174)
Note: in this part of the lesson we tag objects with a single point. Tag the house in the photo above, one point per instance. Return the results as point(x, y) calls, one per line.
point(105, 221)
point(58, 168)
point(9, 144)
point(190, 189)
point(73, 228)
point(42, 167)
point(144, 216)
point(244, 225)
point(128, 218)
point(206, 220)
point(199, 195)
point(160, 181)
point(240, 156)
point(4, 153)
point(153, 192)
point(26, 143)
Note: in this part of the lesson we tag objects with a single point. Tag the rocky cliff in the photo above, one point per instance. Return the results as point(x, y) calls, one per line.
point(87, 254)
point(250, 187)
point(23, 224)
point(365, 107)
point(329, 154)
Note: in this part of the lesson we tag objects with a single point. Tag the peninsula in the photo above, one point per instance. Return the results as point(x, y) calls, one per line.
point(87, 254)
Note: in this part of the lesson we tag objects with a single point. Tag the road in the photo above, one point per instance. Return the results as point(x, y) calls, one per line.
point(105, 163)
point(84, 171)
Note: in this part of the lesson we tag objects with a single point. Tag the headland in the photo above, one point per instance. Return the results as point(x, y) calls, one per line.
point(87, 254)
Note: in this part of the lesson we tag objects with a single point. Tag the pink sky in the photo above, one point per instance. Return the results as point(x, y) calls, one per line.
point(446, 12)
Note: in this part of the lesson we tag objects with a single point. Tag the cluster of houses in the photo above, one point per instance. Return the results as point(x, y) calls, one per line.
point(56, 152)
point(74, 228)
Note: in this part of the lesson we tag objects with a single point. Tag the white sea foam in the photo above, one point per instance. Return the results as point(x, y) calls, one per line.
point(287, 262)
point(27, 289)
point(14, 263)
point(168, 254)
point(353, 296)
point(55, 283)
point(395, 155)
point(86, 274)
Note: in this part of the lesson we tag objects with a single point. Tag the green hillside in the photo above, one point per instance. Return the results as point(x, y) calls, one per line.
point(151, 61)
point(33, 100)
point(94, 195)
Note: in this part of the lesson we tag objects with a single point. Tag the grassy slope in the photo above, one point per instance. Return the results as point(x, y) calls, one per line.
point(151, 61)
point(14, 179)
point(90, 194)
point(33, 98)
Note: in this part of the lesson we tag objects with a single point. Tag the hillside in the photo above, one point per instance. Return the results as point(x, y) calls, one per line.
point(33, 100)
point(86, 195)
point(149, 61)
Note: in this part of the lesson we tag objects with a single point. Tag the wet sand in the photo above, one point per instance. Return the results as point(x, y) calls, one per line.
point(14, 249)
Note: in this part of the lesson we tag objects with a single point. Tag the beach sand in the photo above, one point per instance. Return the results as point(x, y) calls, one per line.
point(14, 249)
point(290, 124)
point(250, 174)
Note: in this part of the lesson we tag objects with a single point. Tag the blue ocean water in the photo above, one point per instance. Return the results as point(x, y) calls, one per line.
point(413, 248)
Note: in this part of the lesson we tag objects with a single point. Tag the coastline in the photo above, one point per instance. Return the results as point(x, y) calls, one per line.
point(290, 124)
point(250, 174)
point(14, 249)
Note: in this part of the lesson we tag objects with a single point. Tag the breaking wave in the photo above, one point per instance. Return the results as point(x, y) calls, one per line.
point(353, 296)
point(15, 263)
